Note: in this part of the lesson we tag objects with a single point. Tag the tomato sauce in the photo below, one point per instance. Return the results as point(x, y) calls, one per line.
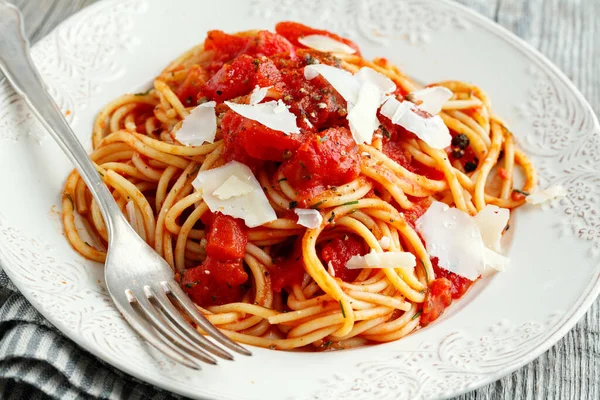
point(327, 159)
point(250, 142)
point(226, 47)
point(322, 156)
point(459, 285)
point(192, 85)
point(218, 280)
point(338, 251)
point(288, 266)
point(437, 299)
point(446, 287)
point(394, 150)
point(420, 206)
point(239, 77)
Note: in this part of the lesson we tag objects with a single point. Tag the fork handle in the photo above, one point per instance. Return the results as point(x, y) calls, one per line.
point(16, 63)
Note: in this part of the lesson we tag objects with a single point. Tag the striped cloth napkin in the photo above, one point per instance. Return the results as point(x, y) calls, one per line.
point(38, 362)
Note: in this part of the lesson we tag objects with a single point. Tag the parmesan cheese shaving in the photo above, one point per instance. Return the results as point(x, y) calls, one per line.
point(341, 80)
point(549, 194)
point(325, 44)
point(253, 207)
point(431, 99)
point(232, 187)
point(309, 218)
point(493, 261)
point(454, 238)
point(465, 245)
point(394, 109)
point(390, 259)
point(383, 83)
point(385, 242)
point(362, 117)
point(272, 114)
point(199, 126)
point(430, 129)
point(491, 222)
point(258, 94)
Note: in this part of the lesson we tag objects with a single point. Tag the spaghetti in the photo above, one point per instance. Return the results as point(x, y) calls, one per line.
point(282, 285)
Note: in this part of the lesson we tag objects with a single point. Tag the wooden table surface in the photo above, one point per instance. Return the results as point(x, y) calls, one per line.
point(568, 33)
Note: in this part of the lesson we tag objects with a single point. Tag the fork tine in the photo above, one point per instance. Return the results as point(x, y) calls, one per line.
point(171, 312)
point(155, 319)
point(146, 331)
point(200, 319)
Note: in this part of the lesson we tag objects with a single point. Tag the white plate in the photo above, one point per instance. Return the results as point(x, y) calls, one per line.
point(504, 322)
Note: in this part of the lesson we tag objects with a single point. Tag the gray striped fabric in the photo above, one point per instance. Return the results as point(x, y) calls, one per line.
point(37, 362)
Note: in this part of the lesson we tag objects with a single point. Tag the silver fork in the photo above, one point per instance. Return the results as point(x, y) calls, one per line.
point(140, 282)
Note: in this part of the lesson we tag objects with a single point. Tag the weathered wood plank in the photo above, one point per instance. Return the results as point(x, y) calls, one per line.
point(568, 32)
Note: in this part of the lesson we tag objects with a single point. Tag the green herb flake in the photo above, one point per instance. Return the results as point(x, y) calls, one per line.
point(143, 93)
point(281, 180)
point(350, 203)
point(327, 344)
point(68, 196)
point(424, 269)
point(416, 316)
point(343, 311)
point(385, 132)
point(88, 244)
point(213, 298)
point(316, 205)
point(323, 139)
point(293, 204)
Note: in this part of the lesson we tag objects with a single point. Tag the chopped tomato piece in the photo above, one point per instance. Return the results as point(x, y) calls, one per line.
point(438, 298)
point(247, 140)
point(327, 159)
point(214, 282)
point(227, 238)
point(266, 73)
point(286, 273)
point(292, 31)
point(225, 46)
point(517, 196)
point(188, 91)
point(503, 173)
point(338, 251)
point(240, 76)
point(459, 284)
point(233, 80)
point(266, 43)
point(314, 100)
